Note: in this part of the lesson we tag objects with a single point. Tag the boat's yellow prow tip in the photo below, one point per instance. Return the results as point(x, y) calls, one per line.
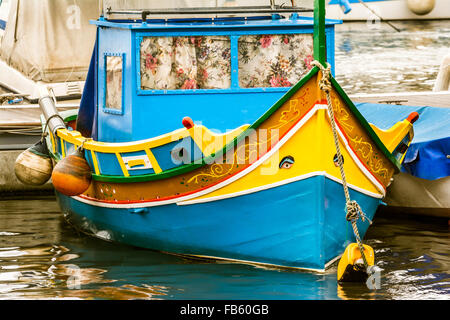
point(350, 267)
point(394, 135)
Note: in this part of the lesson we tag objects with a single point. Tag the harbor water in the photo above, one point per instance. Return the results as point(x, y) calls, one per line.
point(371, 57)
point(42, 257)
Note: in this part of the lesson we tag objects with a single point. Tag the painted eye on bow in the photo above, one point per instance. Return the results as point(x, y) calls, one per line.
point(335, 160)
point(286, 162)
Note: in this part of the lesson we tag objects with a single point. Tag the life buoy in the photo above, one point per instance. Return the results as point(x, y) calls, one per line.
point(421, 7)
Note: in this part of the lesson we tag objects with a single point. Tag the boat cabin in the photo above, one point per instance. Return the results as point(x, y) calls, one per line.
point(221, 72)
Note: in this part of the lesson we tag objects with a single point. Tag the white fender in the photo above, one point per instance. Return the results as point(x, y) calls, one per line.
point(421, 7)
point(443, 77)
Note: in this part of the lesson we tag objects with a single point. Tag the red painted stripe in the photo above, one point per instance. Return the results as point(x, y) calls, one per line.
point(226, 178)
point(356, 154)
point(201, 189)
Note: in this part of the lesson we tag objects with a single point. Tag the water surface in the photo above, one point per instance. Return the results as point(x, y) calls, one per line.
point(41, 257)
point(378, 59)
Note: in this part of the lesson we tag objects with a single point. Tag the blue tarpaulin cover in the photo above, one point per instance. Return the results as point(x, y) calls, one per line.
point(427, 156)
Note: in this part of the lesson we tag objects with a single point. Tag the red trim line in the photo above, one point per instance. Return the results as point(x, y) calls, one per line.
point(356, 154)
point(201, 189)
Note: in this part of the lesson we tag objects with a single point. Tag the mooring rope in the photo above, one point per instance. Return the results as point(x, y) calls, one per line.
point(354, 211)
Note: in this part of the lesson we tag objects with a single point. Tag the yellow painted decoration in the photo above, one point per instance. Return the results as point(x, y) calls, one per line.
point(394, 135)
point(63, 147)
point(361, 142)
point(312, 148)
point(200, 134)
point(153, 161)
point(122, 165)
point(136, 162)
point(94, 160)
point(52, 141)
point(351, 262)
point(208, 141)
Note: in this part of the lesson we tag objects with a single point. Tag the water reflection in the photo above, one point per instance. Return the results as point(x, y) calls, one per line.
point(43, 258)
point(381, 60)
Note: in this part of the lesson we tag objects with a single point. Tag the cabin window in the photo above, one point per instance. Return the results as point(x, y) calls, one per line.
point(274, 60)
point(195, 62)
point(113, 94)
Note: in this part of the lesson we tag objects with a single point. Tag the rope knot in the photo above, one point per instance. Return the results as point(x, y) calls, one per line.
point(324, 83)
point(353, 210)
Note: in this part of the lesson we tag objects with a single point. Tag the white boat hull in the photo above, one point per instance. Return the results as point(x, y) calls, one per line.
point(409, 194)
point(388, 10)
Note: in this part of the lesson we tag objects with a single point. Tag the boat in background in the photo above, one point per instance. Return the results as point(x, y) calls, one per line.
point(62, 38)
point(133, 167)
point(59, 24)
point(423, 186)
point(372, 10)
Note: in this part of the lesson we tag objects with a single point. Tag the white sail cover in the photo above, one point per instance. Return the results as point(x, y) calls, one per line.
point(50, 40)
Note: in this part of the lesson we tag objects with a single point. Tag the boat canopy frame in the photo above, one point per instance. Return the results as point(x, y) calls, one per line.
point(274, 9)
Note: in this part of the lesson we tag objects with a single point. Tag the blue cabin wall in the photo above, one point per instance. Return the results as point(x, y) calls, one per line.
point(156, 112)
point(114, 126)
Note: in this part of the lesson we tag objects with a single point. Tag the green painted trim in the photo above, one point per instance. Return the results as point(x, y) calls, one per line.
point(284, 98)
point(210, 159)
point(366, 125)
point(71, 118)
point(320, 45)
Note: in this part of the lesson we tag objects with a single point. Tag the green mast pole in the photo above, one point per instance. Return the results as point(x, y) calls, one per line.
point(320, 51)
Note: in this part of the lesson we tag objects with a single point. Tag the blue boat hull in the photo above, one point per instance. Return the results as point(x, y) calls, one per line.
point(300, 224)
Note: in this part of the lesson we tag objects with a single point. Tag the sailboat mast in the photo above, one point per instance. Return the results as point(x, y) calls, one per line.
point(320, 52)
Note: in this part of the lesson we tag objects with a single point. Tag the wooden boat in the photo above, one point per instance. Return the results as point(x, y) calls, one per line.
point(268, 192)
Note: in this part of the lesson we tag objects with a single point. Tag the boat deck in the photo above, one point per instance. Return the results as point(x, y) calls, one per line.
point(20, 125)
point(420, 99)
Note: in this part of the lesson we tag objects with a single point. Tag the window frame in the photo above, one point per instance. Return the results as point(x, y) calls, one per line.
point(275, 34)
point(105, 108)
point(234, 38)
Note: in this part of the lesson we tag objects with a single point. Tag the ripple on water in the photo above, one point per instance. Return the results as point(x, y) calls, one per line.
point(413, 254)
point(377, 60)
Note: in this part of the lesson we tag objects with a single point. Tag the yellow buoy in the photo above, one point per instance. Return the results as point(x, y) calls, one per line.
point(351, 267)
point(72, 175)
point(421, 7)
point(34, 165)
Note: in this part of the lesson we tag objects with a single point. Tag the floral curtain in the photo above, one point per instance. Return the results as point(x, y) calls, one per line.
point(201, 62)
point(274, 60)
point(113, 82)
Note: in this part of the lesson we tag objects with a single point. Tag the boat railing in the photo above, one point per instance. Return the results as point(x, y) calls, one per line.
point(216, 11)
